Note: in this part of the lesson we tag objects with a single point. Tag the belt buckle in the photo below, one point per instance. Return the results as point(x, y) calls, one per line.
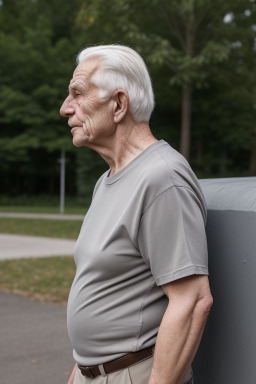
point(86, 371)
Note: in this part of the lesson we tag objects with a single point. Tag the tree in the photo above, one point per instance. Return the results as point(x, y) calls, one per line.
point(230, 101)
point(36, 64)
point(191, 52)
point(189, 37)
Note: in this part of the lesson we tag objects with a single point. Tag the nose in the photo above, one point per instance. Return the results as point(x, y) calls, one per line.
point(67, 108)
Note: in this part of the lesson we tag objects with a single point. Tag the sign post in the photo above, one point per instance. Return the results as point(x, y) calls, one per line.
point(62, 180)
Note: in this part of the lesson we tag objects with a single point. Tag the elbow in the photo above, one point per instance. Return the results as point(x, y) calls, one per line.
point(204, 306)
point(208, 302)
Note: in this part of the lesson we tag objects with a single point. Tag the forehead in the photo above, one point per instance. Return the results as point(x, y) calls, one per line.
point(84, 71)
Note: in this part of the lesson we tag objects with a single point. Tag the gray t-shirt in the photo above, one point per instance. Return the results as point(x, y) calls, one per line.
point(145, 227)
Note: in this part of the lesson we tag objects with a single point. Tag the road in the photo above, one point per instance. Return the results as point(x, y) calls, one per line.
point(34, 344)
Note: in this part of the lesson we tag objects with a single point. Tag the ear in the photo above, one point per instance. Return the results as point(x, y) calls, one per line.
point(121, 105)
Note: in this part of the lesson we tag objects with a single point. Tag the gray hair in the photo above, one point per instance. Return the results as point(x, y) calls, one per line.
point(123, 68)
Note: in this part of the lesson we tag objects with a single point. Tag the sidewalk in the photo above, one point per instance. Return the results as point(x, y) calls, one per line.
point(19, 246)
point(34, 344)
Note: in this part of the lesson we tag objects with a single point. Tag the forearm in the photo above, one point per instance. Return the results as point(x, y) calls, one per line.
point(177, 342)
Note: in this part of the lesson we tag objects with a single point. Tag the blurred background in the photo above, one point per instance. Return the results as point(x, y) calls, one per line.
point(201, 55)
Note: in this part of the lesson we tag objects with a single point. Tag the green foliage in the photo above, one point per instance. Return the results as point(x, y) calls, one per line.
point(184, 42)
point(36, 64)
point(36, 227)
point(32, 87)
point(195, 70)
point(188, 42)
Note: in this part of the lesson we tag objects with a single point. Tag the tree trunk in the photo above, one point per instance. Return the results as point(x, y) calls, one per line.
point(252, 169)
point(186, 121)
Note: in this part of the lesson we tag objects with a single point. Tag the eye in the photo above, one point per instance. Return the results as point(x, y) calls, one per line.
point(78, 94)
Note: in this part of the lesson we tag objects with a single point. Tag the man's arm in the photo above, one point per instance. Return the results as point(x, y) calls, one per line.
point(181, 328)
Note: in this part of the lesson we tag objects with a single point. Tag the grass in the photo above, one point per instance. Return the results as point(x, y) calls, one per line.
point(67, 229)
point(44, 278)
point(42, 209)
point(47, 278)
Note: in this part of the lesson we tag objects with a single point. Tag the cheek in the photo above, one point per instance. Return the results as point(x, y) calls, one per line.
point(80, 112)
point(85, 109)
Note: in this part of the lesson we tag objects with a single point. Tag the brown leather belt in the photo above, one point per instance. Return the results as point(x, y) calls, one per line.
point(118, 364)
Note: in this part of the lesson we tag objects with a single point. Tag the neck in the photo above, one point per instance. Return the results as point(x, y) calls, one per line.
point(126, 144)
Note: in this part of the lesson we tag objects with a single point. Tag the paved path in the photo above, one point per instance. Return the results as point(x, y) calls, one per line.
point(44, 216)
point(34, 344)
point(19, 246)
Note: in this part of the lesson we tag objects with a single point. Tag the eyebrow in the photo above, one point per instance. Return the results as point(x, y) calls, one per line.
point(76, 85)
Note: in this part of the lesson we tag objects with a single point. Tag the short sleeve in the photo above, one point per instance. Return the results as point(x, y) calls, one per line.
point(171, 236)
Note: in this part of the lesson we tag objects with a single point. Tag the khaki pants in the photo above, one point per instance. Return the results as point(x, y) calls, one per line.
point(136, 374)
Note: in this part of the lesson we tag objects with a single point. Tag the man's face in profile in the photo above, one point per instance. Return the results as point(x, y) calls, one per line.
point(90, 116)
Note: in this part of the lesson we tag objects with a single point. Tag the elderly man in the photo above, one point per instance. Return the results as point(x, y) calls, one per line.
point(140, 297)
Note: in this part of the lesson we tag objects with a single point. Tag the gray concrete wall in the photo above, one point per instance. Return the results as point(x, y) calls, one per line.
point(227, 354)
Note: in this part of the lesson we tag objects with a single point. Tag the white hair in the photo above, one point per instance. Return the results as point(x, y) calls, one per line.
point(123, 68)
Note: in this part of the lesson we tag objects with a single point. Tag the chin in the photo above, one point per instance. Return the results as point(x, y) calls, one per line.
point(77, 145)
point(80, 141)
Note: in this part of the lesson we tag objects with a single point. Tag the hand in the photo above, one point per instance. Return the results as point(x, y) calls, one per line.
point(72, 376)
